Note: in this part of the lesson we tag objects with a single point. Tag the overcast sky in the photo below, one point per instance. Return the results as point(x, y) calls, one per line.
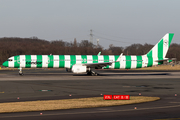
point(117, 22)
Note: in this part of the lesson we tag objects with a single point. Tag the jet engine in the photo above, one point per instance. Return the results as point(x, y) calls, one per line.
point(79, 68)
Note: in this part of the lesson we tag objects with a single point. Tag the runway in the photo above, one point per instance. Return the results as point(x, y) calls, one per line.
point(57, 84)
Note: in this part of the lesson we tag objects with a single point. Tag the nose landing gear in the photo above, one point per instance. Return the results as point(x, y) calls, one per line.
point(20, 72)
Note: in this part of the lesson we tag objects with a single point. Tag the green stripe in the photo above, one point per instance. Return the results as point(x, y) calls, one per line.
point(50, 61)
point(117, 64)
point(28, 61)
point(161, 62)
point(139, 61)
point(170, 38)
point(6, 64)
point(149, 53)
point(84, 59)
point(39, 61)
point(95, 58)
point(160, 49)
point(73, 60)
point(128, 62)
point(61, 61)
point(16, 61)
point(106, 59)
point(169, 60)
point(150, 62)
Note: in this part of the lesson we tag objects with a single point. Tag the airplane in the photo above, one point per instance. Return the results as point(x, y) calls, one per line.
point(88, 63)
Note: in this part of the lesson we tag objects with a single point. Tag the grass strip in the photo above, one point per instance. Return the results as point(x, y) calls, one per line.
point(69, 104)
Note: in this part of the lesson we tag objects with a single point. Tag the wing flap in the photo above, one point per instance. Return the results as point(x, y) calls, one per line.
point(98, 65)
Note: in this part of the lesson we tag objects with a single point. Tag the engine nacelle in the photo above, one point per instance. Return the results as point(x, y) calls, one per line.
point(79, 68)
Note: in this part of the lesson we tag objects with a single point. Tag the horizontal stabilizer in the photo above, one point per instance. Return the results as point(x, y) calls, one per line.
point(99, 54)
point(165, 59)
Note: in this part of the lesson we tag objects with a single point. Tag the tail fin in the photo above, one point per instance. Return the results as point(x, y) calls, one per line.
point(160, 49)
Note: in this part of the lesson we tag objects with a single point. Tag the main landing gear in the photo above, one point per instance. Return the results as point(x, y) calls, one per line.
point(92, 73)
point(20, 72)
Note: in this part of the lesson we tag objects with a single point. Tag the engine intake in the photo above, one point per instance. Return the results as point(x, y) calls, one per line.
point(79, 68)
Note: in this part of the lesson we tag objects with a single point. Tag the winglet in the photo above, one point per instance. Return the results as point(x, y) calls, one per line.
point(99, 53)
point(119, 58)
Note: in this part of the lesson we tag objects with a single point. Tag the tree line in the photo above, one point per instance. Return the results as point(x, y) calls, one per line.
point(34, 46)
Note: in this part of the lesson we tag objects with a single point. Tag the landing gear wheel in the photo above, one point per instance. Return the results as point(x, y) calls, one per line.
point(88, 73)
point(21, 74)
point(92, 73)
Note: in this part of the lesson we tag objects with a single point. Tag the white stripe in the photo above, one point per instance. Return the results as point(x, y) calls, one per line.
point(165, 44)
point(155, 51)
point(22, 61)
point(89, 59)
point(56, 61)
point(78, 59)
point(33, 60)
point(155, 63)
point(133, 61)
point(100, 59)
point(145, 61)
point(67, 61)
point(111, 59)
point(44, 61)
point(123, 62)
point(11, 63)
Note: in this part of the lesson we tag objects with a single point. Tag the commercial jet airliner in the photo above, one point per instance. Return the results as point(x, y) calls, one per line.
point(87, 63)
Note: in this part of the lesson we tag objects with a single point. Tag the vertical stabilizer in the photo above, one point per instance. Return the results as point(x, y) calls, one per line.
point(160, 49)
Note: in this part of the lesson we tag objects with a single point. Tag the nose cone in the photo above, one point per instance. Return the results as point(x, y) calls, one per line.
point(5, 64)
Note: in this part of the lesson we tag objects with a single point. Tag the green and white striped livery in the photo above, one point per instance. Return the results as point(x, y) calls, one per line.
point(85, 63)
point(67, 61)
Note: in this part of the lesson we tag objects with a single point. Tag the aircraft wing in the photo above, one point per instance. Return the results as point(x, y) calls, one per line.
point(97, 65)
point(99, 53)
point(102, 64)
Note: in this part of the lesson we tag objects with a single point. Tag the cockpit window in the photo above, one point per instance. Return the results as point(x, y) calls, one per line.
point(9, 59)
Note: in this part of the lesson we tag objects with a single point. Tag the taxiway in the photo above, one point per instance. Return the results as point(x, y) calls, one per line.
point(51, 84)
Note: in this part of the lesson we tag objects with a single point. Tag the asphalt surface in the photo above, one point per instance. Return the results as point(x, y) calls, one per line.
point(51, 84)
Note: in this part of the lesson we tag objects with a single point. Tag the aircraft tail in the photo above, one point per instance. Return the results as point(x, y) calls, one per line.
point(160, 49)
